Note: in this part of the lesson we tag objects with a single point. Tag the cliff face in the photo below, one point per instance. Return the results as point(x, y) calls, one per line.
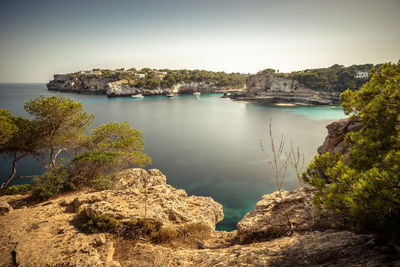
point(334, 142)
point(112, 87)
point(121, 88)
point(79, 84)
point(272, 88)
point(47, 234)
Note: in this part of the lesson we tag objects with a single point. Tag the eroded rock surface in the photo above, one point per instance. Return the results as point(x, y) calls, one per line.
point(92, 84)
point(148, 196)
point(47, 234)
point(5, 208)
point(273, 217)
point(310, 249)
point(275, 89)
point(334, 142)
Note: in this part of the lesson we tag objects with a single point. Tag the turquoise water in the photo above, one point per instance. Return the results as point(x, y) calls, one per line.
point(208, 146)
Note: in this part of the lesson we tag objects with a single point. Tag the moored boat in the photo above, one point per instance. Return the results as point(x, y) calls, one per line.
point(137, 96)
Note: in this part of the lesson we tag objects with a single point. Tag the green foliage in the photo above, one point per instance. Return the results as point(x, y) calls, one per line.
point(266, 71)
point(7, 126)
point(58, 125)
point(94, 168)
point(153, 81)
point(122, 138)
point(336, 78)
point(61, 122)
point(378, 106)
point(366, 192)
point(17, 189)
point(110, 147)
point(54, 182)
point(21, 138)
point(101, 223)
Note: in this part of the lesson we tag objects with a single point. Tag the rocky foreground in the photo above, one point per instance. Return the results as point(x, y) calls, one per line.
point(48, 233)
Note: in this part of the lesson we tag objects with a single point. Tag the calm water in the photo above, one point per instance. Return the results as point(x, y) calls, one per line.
point(208, 146)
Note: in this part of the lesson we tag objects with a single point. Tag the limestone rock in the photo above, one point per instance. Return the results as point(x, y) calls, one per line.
point(163, 204)
point(276, 89)
point(94, 84)
point(269, 218)
point(44, 235)
point(310, 249)
point(47, 233)
point(145, 194)
point(138, 178)
point(334, 142)
point(5, 208)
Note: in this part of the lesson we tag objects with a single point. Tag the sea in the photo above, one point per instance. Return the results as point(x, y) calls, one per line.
point(207, 145)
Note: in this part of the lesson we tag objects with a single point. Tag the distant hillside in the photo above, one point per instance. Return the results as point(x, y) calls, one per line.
point(336, 78)
point(147, 78)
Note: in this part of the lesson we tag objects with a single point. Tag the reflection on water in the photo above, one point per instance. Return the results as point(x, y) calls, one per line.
point(208, 146)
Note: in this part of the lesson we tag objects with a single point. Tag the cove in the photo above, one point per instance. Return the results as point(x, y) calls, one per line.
point(208, 146)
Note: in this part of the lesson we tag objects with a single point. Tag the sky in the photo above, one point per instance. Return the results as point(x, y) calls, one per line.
point(41, 38)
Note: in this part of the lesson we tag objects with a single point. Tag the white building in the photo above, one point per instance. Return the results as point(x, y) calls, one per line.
point(362, 75)
point(91, 72)
point(140, 75)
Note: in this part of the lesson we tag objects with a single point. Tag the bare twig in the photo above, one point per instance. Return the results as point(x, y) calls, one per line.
point(279, 168)
point(296, 160)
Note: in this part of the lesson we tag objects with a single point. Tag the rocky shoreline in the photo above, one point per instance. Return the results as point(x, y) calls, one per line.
point(113, 88)
point(270, 88)
point(48, 233)
point(266, 88)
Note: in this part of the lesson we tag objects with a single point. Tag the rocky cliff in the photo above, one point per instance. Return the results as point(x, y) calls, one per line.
point(334, 141)
point(48, 233)
point(272, 88)
point(91, 84)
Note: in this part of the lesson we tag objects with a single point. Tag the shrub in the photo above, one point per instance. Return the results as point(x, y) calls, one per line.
point(150, 229)
point(138, 227)
point(101, 223)
point(366, 193)
point(196, 229)
point(166, 234)
point(53, 182)
point(18, 189)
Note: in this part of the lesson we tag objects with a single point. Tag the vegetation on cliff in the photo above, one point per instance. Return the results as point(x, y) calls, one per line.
point(366, 192)
point(166, 78)
point(57, 126)
point(336, 78)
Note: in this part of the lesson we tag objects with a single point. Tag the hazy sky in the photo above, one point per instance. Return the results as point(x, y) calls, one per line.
point(40, 38)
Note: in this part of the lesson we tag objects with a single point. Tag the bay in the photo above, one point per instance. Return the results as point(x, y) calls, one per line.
point(209, 146)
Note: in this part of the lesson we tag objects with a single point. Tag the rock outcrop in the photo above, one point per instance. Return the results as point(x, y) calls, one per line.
point(311, 249)
point(334, 142)
point(91, 84)
point(47, 233)
point(272, 88)
point(79, 84)
point(148, 196)
point(5, 208)
point(273, 217)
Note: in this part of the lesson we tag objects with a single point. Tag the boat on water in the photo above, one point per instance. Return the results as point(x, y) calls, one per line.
point(137, 96)
point(170, 95)
point(196, 93)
